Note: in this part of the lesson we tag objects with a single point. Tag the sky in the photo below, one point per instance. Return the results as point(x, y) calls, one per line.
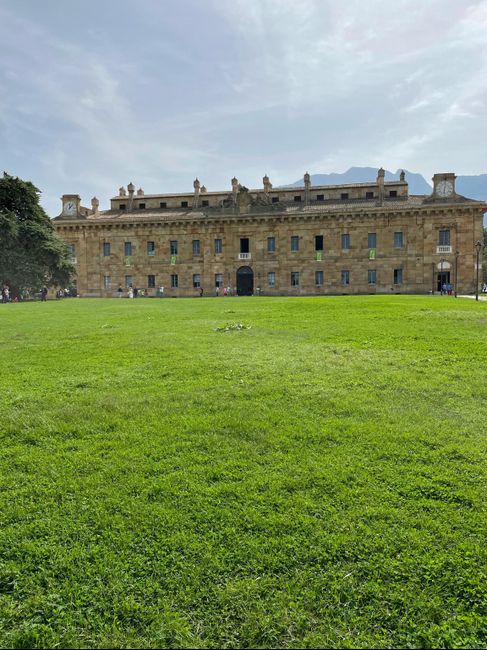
point(97, 94)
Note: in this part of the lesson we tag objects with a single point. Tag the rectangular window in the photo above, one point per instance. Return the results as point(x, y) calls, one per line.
point(244, 245)
point(444, 238)
point(184, 204)
point(271, 244)
point(271, 279)
point(275, 199)
point(174, 281)
point(106, 249)
point(319, 278)
point(345, 242)
point(297, 199)
point(128, 281)
point(393, 193)
point(151, 281)
point(344, 196)
point(398, 241)
point(127, 250)
point(163, 204)
point(205, 203)
point(318, 242)
point(151, 248)
point(196, 247)
point(71, 250)
point(122, 206)
point(294, 279)
point(218, 246)
point(294, 243)
point(372, 240)
point(141, 206)
point(196, 280)
point(219, 280)
point(320, 197)
point(369, 195)
point(346, 278)
point(372, 276)
point(397, 276)
point(107, 282)
point(174, 247)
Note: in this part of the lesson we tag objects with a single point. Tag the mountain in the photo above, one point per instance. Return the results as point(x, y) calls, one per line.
point(417, 184)
point(473, 187)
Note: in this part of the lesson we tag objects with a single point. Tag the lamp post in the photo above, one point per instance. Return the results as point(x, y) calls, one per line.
point(441, 276)
point(457, 253)
point(478, 246)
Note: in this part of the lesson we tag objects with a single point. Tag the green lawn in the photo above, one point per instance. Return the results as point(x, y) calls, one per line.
point(316, 480)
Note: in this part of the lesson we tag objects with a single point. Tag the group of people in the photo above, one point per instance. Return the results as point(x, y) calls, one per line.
point(446, 289)
point(132, 292)
point(5, 293)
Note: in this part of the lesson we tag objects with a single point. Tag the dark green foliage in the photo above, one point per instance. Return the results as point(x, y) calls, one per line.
point(31, 254)
point(318, 480)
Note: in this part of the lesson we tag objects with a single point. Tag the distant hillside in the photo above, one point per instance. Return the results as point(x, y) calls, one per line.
point(417, 184)
point(473, 187)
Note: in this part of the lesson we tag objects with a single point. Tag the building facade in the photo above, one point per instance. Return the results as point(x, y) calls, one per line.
point(310, 240)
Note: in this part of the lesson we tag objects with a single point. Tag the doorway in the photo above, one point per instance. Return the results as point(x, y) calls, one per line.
point(443, 278)
point(245, 281)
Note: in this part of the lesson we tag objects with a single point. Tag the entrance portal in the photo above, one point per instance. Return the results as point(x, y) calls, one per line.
point(443, 278)
point(245, 281)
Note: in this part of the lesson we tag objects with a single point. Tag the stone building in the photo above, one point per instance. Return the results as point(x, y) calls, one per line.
point(309, 240)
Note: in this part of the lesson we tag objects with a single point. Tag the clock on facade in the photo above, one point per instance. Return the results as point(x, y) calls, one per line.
point(444, 189)
point(70, 207)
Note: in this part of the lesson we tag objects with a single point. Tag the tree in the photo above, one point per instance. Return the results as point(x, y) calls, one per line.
point(31, 255)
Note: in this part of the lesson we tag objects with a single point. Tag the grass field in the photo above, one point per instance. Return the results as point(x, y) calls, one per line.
point(316, 480)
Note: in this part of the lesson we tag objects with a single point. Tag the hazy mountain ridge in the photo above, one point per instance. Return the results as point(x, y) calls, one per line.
point(472, 187)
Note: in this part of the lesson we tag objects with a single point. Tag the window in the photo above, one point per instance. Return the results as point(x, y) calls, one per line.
point(398, 241)
point(151, 281)
point(218, 246)
point(444, 238)
point(372, 276)
point(107, 282)
point(205, 203)
point(196, 247)
point(372, 240)
point(346, 278)
point(174, 281)
point(128, 281)
point(320, 197)
point(141, 206)
point(163, 204)
point(393, 193)
point(271, 244)
point(294, 243)
point(122, 206)
point(345, 242)
point(127, 250)
point(151, 248)
point(318, 242)
point(369, 195)
point(297, 199)
point(294, 279)
point(397, 276)
point(219, 280)
point(275, 199)
point(184, 204)
point(244, 245)
point(174, 247)
point(319, 278)
point(71, 250)
point(106, 249)
point(271, 279)
point(344, 196)
point(196, 280)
